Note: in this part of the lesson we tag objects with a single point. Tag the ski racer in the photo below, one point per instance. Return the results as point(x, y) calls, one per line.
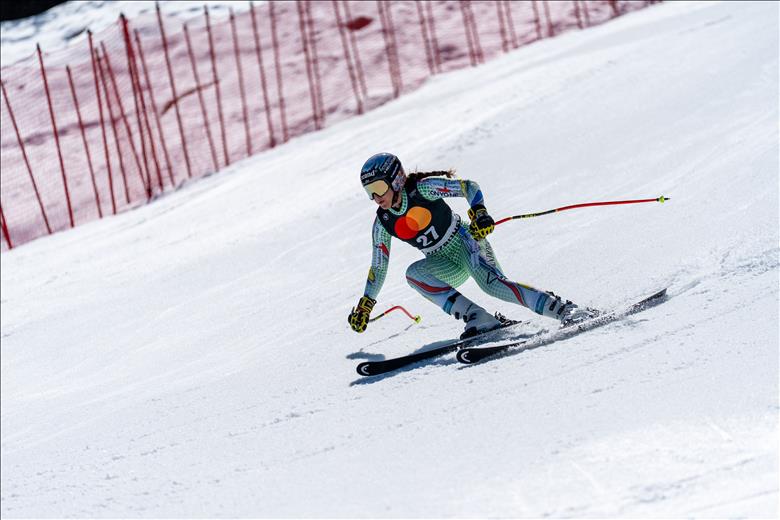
point(412, 209)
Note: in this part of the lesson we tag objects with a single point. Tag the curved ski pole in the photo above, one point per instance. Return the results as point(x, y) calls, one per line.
point(416, 319)
point(661, 199)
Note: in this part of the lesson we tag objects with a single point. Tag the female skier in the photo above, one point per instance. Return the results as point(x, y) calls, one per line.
point(411, 209)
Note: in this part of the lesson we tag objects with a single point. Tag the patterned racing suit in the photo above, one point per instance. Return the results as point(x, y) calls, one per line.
point(452, 255)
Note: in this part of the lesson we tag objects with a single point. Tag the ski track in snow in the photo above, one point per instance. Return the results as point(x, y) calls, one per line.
point(192, 357)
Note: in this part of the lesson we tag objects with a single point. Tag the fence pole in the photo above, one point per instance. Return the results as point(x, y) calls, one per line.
point(502, 27)
point(175, 97)
point(434, 41)
point(215, 79)
point(139, 111)
point(154, 107)
point(511, 24)
point(241, 90)
point(307, 59)
point(474, 33)
point(92, 53)
point(123, 115)
point(347, 59)
point(137, 75)
point(394, 45)
point(472, 52)
point(585, 11)
point(424, 34)
point(278, 67)
point(550, 28)
point(113, 126)
point(388, 51)
point(315, 61)
point(24, 155)
point(84, 140)
point(361, 75)
point(614, 6)
point(56, 135)
point(577, 14)
point(201, 101)
point(6, 235)
point(264, 85)
point(537, 20)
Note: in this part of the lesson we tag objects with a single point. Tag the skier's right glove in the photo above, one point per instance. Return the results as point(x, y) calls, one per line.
point(358, 318)
point(482, 224)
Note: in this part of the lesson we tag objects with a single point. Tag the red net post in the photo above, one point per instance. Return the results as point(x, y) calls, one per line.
point(550, 28)
point(307, 58)
point(26, 159)
point(502, 24)
point(537, 20)
point(315, 62)
point(112, 119)
point(201, 101)
point(510, 23)
point(84, 140)
point(98, 98)
point(140, 110)
point(154, 109)
point(56, 136)
point(434, 41)
point(475, 33)
point(152, 144)
point(425, 39)
point(347, 58)
point(388, 49)
point(6, 234)
point(361, 74)
point(469, 37)
point(215, 79)
point(391, 34)
point(125, 122)
point(173, 91)
point(577, 13)
point(585, 12)
point(263, 82)
point(614, 5)
point(278, 67)
point(241, 89)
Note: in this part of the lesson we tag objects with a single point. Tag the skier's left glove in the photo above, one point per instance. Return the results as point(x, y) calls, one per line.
point(358, 318)
point(482, 224)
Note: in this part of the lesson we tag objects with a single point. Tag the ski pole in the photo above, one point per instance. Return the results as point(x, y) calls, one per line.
point(416, 319)
point(661, 199)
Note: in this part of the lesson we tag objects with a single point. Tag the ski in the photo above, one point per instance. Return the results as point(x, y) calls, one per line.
point(374, 368)
point(470, 355)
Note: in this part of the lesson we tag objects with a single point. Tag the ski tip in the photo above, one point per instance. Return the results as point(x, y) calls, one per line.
point(463, 356)
point(660, 294)
point(364, 369)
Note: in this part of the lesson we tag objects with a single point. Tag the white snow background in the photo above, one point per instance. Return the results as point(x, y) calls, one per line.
point(193, 358)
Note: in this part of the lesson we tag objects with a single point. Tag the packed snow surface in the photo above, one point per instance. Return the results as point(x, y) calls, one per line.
point(193, 358)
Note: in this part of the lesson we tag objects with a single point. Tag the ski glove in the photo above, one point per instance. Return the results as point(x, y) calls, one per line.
point(358, 318)
point(482, 224)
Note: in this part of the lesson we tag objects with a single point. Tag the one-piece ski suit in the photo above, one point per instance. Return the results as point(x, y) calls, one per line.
point(452, 255)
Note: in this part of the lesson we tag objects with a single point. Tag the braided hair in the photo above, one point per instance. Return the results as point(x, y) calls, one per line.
point(415, 177)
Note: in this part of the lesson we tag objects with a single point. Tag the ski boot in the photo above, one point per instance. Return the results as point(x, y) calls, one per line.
point(479, 321)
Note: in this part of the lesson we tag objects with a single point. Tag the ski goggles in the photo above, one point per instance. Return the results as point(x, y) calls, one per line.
point(378, 188)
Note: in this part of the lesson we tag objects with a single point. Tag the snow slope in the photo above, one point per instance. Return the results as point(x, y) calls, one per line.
point(192, 357)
